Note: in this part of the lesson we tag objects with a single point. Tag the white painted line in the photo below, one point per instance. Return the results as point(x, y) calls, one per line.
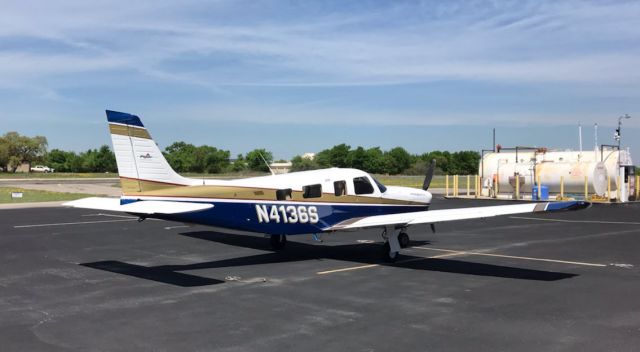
point(578, 221)
point(71, 223)
point(175, 227)
point(348, 269)
point(511, 256)
point(398, 262)
point(112, 215)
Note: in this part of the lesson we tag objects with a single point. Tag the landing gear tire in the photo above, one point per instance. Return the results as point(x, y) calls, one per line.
point(278, 242)
point(404, 240)
point(389, 257)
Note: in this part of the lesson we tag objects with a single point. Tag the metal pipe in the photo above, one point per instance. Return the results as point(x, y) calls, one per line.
point(618, 190)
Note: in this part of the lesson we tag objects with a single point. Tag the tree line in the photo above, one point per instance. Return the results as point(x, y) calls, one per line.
point(16, 149)
point(394, 161)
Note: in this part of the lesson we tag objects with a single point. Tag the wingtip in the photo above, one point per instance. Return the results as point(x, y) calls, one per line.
point(567, 205)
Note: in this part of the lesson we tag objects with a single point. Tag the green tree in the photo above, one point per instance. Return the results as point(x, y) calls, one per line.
point(337, 156)
point(443, 160)
point(299, 163)
point(105, 160)
point(399, 160)
point(181, 156)
point(16, 149)
point(256, 160)
point(376, 162)
point(358, 158)
point(464, 162)
point(59, 160)
point(209, 159)
point(239, 164)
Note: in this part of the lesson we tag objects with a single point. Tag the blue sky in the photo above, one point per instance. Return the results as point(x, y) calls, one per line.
point(302, 76)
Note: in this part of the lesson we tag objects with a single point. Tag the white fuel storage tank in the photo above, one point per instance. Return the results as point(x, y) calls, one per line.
point(573, 166)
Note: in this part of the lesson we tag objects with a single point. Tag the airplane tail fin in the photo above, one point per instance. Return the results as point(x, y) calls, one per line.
point(141, 165)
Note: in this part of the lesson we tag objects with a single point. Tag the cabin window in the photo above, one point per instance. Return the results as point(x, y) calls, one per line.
point(362, 185)
point(283, 194)
point(340, 188)
point(312, 191)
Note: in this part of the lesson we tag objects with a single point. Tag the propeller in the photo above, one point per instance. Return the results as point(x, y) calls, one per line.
point(433, 227)
point(429, 176)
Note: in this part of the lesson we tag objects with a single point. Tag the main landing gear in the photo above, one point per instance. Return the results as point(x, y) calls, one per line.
point(393, 243)
point(278, 242)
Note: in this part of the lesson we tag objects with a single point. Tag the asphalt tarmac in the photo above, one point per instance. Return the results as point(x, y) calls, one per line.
point(78, 280)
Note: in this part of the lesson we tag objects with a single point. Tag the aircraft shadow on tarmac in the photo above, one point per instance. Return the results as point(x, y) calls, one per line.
point(365, 253)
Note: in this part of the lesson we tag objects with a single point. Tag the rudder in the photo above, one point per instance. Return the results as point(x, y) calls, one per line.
point(141, 165)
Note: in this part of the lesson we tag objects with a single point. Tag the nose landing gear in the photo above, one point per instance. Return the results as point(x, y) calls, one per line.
point(393, 243)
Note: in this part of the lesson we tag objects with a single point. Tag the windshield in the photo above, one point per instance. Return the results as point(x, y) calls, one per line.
point(380, 185)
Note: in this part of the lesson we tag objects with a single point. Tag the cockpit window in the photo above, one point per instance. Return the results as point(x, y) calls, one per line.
point(382, 187)
point(362, 185)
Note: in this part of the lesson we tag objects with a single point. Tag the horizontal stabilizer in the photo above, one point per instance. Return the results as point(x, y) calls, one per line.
point(147, 207)
point(433, 216)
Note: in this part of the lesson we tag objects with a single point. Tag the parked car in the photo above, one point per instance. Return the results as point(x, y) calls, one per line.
point(41, 168)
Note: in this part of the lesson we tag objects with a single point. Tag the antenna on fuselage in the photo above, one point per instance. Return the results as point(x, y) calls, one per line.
point(266, 163)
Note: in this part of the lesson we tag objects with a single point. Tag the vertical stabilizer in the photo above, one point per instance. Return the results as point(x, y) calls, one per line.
point(141, 165)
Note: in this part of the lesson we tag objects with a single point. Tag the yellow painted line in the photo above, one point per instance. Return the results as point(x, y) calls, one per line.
point(511, 257)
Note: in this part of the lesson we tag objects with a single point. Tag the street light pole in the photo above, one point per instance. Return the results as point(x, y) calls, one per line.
point(617, 135)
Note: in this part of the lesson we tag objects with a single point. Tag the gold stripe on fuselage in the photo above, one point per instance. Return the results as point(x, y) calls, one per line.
point(132, 131)
point(133, 187)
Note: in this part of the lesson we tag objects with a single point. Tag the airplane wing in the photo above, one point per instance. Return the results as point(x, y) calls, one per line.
point(147, 207)
point(433, 216)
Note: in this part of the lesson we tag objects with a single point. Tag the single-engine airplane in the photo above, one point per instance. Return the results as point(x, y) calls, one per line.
point(307, 202)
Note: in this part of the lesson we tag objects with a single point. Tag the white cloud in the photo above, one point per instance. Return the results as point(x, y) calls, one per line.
point(535, 41)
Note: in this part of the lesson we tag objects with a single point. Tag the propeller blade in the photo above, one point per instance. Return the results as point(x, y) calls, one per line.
point(429, 176)
point(433, 227)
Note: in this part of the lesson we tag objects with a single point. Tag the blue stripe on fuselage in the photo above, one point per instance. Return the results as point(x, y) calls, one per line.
point(243, 216)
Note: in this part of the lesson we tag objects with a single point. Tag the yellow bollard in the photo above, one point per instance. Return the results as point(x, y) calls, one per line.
point(618, 191)
point(608, 188)
point(446, 185)
point(455, 185)
point(477, 186)
point(517, 186)
point(561, 187)
point(453, 190)
point(468, 185)
point(586, 188)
